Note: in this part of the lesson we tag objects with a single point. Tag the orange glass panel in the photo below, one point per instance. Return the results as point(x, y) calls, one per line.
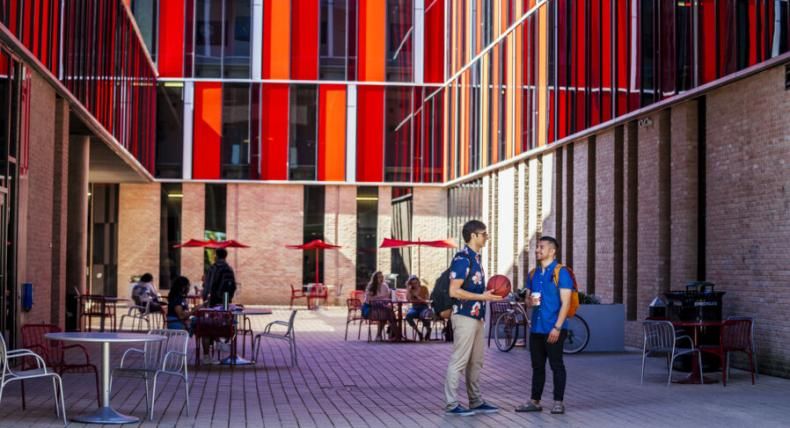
point(372, 39)
point(207, 135)
point(332, 133)
point(276, 39)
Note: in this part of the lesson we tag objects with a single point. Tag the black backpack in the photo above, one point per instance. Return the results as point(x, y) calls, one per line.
point(440, 296)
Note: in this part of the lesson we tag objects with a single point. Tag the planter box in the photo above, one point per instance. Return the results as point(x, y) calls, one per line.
point(607, 327)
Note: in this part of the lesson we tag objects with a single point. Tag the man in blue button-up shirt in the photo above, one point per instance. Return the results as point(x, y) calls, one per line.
point(549, 324)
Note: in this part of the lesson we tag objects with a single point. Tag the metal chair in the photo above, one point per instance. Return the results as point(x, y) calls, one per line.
point(289, 336)
point(381, 312)
point(139, 314)
point(735, 336)
point(54, 354)
point(751, 334)
point(41, 371)
point(354, 304)
point(316, 292)
point(166, 357)
point(296, 294)
point(660, 338)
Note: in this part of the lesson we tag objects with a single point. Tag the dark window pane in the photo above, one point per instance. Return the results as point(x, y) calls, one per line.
point(302, 145)
point(145, 15)
point(169, 129)
point(398, 135)
point(313, 229)
point(216, 196)
point(238, 25)
point(400, 40)
point(170, 234)
point(367, 224)
point(208, 38)
point(332, 62)
point(235, 130)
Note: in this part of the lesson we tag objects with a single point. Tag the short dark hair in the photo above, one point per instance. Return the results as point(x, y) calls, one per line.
point(551, 240)
point(222, 253)
point(147, 277)
point(472, 226)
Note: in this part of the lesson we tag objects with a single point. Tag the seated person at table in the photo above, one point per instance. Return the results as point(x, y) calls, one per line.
point(377, 289)
point(145, 292)
point(418, 296)
point(178, 308)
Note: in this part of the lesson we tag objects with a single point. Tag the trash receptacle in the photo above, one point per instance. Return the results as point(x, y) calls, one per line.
point(657, 310)
point(72, 306)
point(698, 302)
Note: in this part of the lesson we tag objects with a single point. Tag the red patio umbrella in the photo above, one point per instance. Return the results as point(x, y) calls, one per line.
point(230, 243)
point(315, 244)
point(191, 243)
point(398, 243)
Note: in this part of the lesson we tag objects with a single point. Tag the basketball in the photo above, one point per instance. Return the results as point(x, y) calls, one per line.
point(500, 284)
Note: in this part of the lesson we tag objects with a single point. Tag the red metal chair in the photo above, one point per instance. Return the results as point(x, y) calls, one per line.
point(212, 324)
point(318, 291)
point(735, 336)
point(296, 294)
point(54, 353)
point(90, 306)
point(354, 303)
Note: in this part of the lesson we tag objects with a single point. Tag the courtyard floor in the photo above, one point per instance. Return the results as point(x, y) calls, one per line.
point(360, 384)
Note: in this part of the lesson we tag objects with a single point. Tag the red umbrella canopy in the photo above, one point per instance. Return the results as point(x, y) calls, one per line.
point(191, 243)
point(230, 243)
point(397, 243)
point(315, 244)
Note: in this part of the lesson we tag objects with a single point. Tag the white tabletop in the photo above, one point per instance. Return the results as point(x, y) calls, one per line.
point(99, 337)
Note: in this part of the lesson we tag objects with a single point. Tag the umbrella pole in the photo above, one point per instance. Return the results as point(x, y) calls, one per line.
point(316, 265)
point(419, 265)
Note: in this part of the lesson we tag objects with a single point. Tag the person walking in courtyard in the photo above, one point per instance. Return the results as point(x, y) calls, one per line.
point(467, 285)
point(220, 280)
point(550, 302)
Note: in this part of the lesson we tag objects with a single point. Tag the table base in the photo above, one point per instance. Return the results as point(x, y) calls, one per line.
point(106, 415)
point(236, 361)
point(694, 379)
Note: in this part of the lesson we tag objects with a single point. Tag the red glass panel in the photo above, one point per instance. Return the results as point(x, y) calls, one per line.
point(207, 136)
point(370, 133)
point(305, 24)
point(434, 41)
point(274, 132)
point(171, 39)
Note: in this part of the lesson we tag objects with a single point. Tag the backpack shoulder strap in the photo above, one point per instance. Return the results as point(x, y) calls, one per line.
point(555, 277)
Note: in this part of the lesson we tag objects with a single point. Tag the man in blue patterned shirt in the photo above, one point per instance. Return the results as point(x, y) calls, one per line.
point(467, 286)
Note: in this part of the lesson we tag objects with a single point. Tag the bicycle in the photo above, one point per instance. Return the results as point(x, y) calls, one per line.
point(508, 325)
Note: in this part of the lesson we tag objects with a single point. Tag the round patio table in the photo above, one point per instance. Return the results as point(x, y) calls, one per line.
point(105, 415)
point(234, 359)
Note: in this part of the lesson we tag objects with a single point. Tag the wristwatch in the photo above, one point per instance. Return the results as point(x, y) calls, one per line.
point(556, 328)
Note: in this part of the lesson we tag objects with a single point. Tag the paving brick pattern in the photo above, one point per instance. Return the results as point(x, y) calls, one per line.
point(360, 384)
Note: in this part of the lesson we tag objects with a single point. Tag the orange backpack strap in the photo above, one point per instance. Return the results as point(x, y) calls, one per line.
point(556, 275)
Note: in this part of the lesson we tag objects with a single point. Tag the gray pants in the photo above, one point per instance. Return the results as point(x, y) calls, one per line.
point(468, 351)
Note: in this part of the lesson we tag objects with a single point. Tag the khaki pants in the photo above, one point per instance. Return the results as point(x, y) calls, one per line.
point(467, 355)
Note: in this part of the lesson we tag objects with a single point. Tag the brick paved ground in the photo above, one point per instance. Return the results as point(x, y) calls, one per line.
point(356, 383)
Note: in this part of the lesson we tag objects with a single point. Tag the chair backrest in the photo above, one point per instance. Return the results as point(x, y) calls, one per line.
point(353, 304)
point(318, 290)
point(356, 294)
point(737, 334)
point(2, 354)
point(291, 323)
point(401, 294)
point(214, 323)
point(33, 339)
point(155, 352)
point(659, 335)
point(497, 308)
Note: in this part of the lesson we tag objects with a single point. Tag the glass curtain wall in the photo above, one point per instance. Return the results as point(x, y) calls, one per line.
point(400, 40)
point(235, 151)
point(170, 234)
point(169, 129)
point(367, 225)
point(464, 203)
point(223, 31)
point(302, 149)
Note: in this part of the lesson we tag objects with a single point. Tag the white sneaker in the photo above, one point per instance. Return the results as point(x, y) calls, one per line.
point(206, 360)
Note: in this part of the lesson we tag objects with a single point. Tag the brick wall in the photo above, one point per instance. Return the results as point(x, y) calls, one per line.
point(748, 227)
point(193, 220)
point(340, 228)
point(604, 245)
point(269, 217)
point(138, 232)
point(429, 222)
point(384, 230)
point(684, 183)
point(36, 191)
point(579, 213)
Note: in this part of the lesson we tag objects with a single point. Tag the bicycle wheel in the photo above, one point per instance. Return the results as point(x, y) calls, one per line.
point(578, 335)
point(506, 331)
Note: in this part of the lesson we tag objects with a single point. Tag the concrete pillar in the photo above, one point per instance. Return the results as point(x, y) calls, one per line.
point(77, 230)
